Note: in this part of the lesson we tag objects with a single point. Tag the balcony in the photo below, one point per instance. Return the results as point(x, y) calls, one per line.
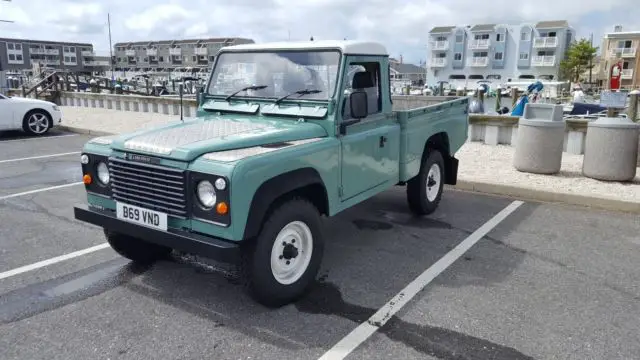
point(175, 51)
point(87, 53)
point(152, 52)
point(439, 45)
point(478, 61)
point(42, 51)
point(545, 42)
point(50, 62)
point(97, 63)
point(548, 60)
point(130, 52)
point(438, 62)
point(626, 74)
point(479, 44)
point(202, 51)
point(623, 52)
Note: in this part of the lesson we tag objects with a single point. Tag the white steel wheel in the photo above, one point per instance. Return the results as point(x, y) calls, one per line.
point(291, 252)
point(38, 123)
point(434, 177)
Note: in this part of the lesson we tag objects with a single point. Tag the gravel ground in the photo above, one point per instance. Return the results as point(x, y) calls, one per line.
point(494, 164)
point(118, 121)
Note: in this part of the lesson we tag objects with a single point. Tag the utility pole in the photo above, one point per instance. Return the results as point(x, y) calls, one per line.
point(6, 21)
point(590, 61)
point(110, 47)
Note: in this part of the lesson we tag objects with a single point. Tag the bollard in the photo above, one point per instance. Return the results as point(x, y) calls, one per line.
point(514, 96)
point(633, 105)
point(441, 89)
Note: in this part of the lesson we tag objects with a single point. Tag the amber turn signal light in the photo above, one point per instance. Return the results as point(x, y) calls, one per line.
point(86, 179)
point(222, 208)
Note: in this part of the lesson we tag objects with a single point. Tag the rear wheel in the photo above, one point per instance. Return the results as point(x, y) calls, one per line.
point(135, 249)
point(282, 262)
point(36, 122)
point(424, 191)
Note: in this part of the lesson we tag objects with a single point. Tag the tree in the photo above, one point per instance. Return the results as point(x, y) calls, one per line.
point(579, 58)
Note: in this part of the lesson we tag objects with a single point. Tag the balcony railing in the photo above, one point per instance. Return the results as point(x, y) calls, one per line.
point(438, 62)
point(175, 51)
point(623, 52)
point(478, 61)
point(626, 74)
point(548, 60)
point(545, 42)
point(439, 45)
point(202, 51)
point(152, 52)
point(479, 44)
point(87, 53)
point(130, 52)
point(97, 63)
point(44, 51)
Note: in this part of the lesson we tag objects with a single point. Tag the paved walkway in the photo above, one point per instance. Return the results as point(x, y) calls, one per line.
point(482, 167)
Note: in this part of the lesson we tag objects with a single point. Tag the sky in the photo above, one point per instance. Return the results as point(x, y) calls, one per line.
point(401, 25)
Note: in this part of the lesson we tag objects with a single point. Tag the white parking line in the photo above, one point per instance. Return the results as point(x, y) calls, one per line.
point(38, 138)
point(41, 264)
point(4, 197)
point(39, 157)
point(360, 334)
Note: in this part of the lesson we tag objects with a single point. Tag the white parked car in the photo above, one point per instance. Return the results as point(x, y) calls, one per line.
point(33, 116)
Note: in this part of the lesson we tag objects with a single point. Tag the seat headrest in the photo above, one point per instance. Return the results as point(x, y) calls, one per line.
point(362, 80)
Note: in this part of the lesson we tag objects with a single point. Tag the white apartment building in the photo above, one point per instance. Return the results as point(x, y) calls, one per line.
point(500, 53)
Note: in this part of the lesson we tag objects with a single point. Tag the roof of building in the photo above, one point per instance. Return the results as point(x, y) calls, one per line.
point(555, 24)
point(407, 68)
point(483, 27)
point(621, 34)
point(441, 29)
point(182, 41)
point(346, 46)
point(46, 42)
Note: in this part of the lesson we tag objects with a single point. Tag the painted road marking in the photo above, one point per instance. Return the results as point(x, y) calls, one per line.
point(38, 138)
point(4, 197)
point(360, 334)
point(40, 157)
point(41, 264)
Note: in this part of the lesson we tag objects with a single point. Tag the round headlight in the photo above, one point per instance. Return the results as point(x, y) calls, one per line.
point(206, 194)
point(84, 159)
point(103, 173)
point(220, 184)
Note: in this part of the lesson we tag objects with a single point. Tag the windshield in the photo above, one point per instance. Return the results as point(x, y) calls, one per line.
point(283, 72)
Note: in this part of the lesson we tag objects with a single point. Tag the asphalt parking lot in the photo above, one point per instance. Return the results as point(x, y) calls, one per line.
point(546, 282)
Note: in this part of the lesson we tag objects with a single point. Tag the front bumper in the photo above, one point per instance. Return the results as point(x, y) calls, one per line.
point(206, 246)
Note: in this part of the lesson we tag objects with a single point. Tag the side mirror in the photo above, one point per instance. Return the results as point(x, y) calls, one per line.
point(359, 104)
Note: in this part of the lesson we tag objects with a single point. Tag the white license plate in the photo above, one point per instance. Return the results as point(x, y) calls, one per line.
point(141, 216)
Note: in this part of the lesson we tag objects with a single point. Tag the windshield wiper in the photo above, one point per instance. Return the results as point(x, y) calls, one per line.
point(253, 87)
point(299, 92)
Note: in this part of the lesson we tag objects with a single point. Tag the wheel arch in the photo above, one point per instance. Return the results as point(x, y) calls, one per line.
point(440, 141)
point(304, 182)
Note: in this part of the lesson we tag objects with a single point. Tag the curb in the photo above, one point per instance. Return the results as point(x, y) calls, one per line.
point(79, 130)
point(548, 196)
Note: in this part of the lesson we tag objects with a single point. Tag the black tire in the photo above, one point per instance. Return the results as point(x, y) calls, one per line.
point(137, 250)
point(419, 202)
point(256, 269)
point(42, 113)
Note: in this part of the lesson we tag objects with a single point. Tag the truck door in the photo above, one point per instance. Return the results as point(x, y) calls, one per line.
point(365, 143)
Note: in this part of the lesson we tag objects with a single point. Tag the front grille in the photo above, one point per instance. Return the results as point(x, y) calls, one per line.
point(149, 186)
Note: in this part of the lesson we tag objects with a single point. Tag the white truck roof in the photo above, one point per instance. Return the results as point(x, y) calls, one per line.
point(355, 47)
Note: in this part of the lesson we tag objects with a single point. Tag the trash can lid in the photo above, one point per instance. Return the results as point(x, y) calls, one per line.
point(614, 123)
point(541, 123)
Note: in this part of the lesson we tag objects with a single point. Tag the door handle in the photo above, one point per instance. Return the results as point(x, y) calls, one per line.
point(383, 140)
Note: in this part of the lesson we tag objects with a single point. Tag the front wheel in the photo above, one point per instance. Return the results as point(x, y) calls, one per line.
point(285, 258)
point(424, 191)
point(36, 122)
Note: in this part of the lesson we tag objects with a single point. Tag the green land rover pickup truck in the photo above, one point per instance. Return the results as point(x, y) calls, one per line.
point(284, 134)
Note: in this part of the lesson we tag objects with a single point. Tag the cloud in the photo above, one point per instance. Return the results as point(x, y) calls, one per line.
point(401, 25)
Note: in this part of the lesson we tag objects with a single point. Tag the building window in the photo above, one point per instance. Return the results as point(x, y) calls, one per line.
point(459, 38)
point(19, 57)
point(73, 59)
point(498, 56)
point(441, 38)
point(193, 58)
point(482, 37)
point(66, 59)
point(10, 46)
point(525, 36)
point(524, 56)
point(499, 38)
point(161, 58)
point(18, 46)
point(457, 56)
point(12, 57)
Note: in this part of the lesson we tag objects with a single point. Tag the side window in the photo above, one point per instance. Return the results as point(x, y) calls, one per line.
point(364, 76)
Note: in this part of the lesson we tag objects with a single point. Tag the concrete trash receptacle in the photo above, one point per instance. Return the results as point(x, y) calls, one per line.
point(611, 149)
point(540, 139)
